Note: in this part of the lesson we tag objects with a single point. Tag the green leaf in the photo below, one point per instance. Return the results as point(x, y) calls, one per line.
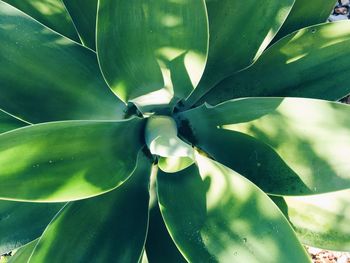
point(251, 158)
point(320, 220)
point(174, 164)
point(310, 139)
point(9, 122)
point(83, 13)
point(160, 247)
point(310, 63)
point(109, 228)
point(43, 74)
point(51, 13)
point(216, 215)
point(63, 161)
point(305, 13)
point(144, 258)
point(146, 37)
point(23, 253)
point(161, 138)
point(239, 33)
point(23, 222)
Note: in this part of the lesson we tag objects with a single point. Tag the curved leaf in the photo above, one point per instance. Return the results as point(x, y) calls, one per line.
point(305, 13)
point(305, 142)
point(83, 13)
point(136, 43)
point(252, 158)
point(320, 220)
point(43, 75)
point(215, 215)
point(21, 223)
point(161, 138)
point(160, 247)
point(23, 253)
point(174, 164)
point(239, 33)
point(66, 161)
point(9, 122)
point(309, 63)
point(51, 13)
point(108, 228)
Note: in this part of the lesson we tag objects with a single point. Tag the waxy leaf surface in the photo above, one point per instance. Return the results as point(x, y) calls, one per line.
point(294, 146)
point(46, 77)
point(51, 13)
point(64, 161)
point(310, 63)
point(239, 32)
point(320, 220)
point(83, 13)
point(23, 222)
point(215, 215)
point(108, 228)
point(137, 43)
point(305, 13)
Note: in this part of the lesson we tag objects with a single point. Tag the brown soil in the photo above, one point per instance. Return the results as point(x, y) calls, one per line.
point(326, 256)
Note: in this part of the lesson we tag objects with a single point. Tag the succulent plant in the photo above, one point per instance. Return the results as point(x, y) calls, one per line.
point(173, 130)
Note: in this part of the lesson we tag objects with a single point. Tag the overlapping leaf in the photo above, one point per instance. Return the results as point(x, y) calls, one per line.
point(51, 13)
point(216, 215)
point(108, 228)
point(305, 13)
point(294, 146)
point(64, 161)
point(239, 32)
point(9, 122)
point(83, 13)
point(45, 76)
point(23, 253)
point(320, 220)
point(23, 222)
point(146, 38)
point(159, 245)
point(310, 63)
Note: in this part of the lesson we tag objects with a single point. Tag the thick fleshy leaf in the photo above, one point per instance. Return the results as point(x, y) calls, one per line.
point(23, 254)
point(9, 122)
point(305, 13)
point(160, 247)
point(45, 76)
point(108, 228)
point(51, 13)
point(320, 220)
point(147, 37)
point(21, 222)
point(239, 33)
point(251, 158)
point(311, 140)
point(64, 161)
point(216, 215)
point(83, 13)
point(309, 63)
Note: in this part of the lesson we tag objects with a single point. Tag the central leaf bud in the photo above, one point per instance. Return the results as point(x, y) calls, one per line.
point(162, 140)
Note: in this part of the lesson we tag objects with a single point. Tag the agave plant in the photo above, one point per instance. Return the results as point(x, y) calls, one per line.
point(173, 130)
